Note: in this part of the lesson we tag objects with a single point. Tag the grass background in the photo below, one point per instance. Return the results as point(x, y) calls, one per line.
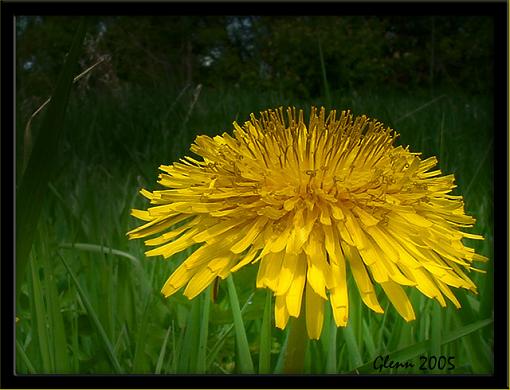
point(90, 301)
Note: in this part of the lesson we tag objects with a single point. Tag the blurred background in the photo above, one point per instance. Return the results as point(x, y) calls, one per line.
point(161, 81)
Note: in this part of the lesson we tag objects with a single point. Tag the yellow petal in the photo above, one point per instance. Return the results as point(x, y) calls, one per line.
point(281, 313)
point(195, 207)
point(295, 293)
point(270, 268)
point(379, 272)
point(425, 284)
point(199, 282)
point(141, 214)
point(291, 202)
point(155, 226)
point(319, 272)
point(167, 250)
point(280, 240)
point(472, 236)
point(301, 230)
point(324, 218)
point(399, 299)
point(146, 194)
point(316, 279)
point(385, 243)
point(217, 229)
point(225, 271)
point(339, 293)
point(246, 260)
point(331, 243)
point(164, 238)
point(290, 263)
point(177, 280)
point(344, 233)
point(404, 256)
point(366, 218)
point(355, 231)
point(314, 313)
point(362, 279)
point(219, 263)
point(416, 219)
point(383, 267)
point(369, 254)
point(250, 235)
point(449, 294)
point(445, 250)
point(336, 211)
point(261, 273)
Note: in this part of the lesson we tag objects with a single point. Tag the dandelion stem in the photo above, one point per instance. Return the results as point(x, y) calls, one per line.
point(296, 346)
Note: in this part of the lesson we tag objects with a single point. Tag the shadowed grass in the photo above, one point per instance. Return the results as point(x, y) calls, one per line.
point(42, 162)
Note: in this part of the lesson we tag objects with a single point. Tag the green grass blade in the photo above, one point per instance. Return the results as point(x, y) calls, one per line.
point(421, 107)
point(297, 345)
point(162, 352)
point(43, 159)
point(139, 362)
point(281, 357)
point(24, 357)
point(204, 331)
point(369, 340)
point(101, 249)
point(331, 361)
point(224, 334)
point(188, 347)
point(265, 337)
point(474, 352)
point(175, 347)
point(39, 317)
point(328, 342)
point(55, 320)
point(245, 362)
point(436, 329)
point(352, 346)
point(324, 76)
point(94, 319)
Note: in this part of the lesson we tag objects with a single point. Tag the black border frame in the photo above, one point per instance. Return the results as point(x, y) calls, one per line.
point(498, 10)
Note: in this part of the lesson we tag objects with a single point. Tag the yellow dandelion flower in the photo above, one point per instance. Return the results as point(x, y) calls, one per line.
point(306, 203)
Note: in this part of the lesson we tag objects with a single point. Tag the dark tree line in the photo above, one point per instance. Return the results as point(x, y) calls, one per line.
point(293, 54)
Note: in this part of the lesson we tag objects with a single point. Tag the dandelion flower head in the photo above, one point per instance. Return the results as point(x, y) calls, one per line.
point(308, 204)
